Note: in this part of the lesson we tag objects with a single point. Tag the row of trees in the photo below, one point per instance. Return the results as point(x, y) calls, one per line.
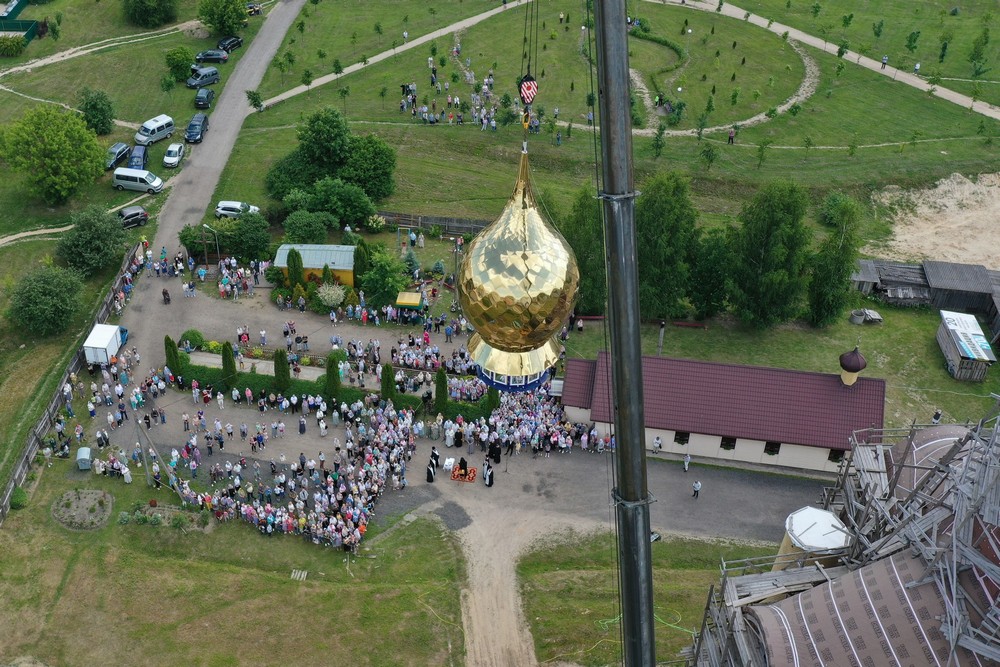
point(764, 270)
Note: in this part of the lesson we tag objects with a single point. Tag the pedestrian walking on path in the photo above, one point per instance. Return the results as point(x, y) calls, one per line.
point(697, 489)
point(687, 462)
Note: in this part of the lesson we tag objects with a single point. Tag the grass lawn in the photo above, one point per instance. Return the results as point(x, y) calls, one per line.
point(85, 23)
point(349, 38)
point(932, 19)
point(156, 594)
point(570, 594)
point(130, 74)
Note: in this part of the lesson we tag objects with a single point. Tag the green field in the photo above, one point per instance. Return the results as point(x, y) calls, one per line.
point(146, 595)
point(570, 593)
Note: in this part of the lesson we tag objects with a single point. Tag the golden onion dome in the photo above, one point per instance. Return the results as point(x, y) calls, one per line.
point(517, 285)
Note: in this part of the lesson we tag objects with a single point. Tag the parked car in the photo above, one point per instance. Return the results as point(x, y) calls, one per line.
point(155, 129)
point(203, 76)
point(254, 9)
point(233, 209)
point(212, 56)
point(196, 129)
point(173, 156)
point(133, 216)
point(116, 154)
point(230, 44)
point(203, 98)
point(138, 158)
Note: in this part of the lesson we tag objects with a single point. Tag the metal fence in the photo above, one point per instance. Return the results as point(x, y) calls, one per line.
point(448, 226)
point(29, 28)
point(11, 10)
point(36, 437)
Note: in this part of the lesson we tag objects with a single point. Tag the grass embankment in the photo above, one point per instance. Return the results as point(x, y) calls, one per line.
point(145, 595)
point(570, 593)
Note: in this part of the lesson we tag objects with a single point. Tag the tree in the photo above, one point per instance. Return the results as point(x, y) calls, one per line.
point(44, 301)
point(877, 29)
point(911, 41)
point(370, 165)
point(306, 227)
point(172, 356)
point(815, 9)
point(338, 69)
point(440, 391)
point(179, 61)
point(711, 259)
point(385, 279)
point(250, 237)
point(149, 13)
point(379, 31)
point(846, 20)
point(97, 240)
point(362, 261)
point(382, 92)
point(324, 140)
point(770, 250)
point(294, 171)
point(709, 153)
point(583, 231)
point(307, 79)
point(228, 366)
point(55, 151)
point(347, 202)
point(388, 383)
point(762, 149)
point(665, 234)
point(344, 93)
point(332, 382)
point(223, 16)
point(255, 99)
point(282, 379)
point(98, 111)
point(977, 56)
point(296, 274)
point(658, 141)
point(830, 286)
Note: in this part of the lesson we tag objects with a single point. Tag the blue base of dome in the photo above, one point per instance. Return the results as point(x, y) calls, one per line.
point(512, 383)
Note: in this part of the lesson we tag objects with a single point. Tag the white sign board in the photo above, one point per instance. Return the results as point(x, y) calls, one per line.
point(968, 335)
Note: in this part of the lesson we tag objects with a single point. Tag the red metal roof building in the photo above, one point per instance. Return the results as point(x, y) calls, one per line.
point(764, 415)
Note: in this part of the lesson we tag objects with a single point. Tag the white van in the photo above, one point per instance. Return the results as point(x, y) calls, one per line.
point(136, 179)
point(155, 129)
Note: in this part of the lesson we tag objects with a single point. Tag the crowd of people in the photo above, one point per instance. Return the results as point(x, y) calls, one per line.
point(327, 504)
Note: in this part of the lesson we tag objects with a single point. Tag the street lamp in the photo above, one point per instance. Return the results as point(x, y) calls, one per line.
point(217, 253)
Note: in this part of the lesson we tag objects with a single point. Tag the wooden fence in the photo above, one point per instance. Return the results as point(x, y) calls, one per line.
point(449, 226)
point(36, 438)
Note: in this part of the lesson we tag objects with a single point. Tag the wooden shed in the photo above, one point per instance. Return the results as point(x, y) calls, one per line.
point(959, 287)
point(967, 351)
point(340, 259)
point(866, 277)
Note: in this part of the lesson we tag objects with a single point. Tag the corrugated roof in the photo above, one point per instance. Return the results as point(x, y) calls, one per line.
point(959, 277)
point(578, 388)
point(339, 257)
point(767, 404)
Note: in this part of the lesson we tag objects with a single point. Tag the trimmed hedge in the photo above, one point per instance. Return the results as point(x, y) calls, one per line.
point(194, 337)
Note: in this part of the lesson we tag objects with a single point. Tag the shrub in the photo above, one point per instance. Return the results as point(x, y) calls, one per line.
point(204, 517)
point(212, 347)
point(18, 499)
point(149, 13)
point(374, 223)
point(179, 522)
point(124, 518)
point(141, 518)
point(435, 232)
point(331, 296)
point(12, 46)
point(275, 276)
point(194, 337)
point(155, 520)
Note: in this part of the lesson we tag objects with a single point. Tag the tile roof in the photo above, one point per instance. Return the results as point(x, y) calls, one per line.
point(578, 387)
point(768, 404)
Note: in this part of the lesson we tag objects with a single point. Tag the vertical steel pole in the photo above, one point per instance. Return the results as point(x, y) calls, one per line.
point(631, 495)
